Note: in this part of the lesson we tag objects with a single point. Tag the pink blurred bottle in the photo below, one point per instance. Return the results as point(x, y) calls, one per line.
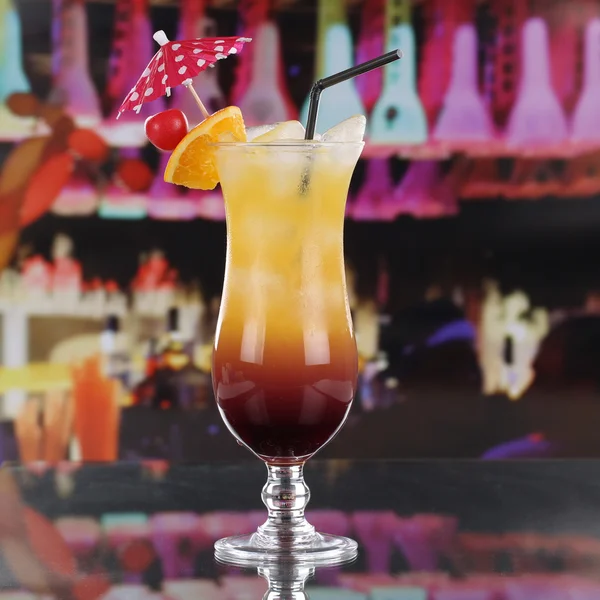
point(132, 50)
point(586, 116)
point(252, 13)
point(502, 68)
point(564, 20)
point(337, 523)
point(464, 117)
point(376, 532)
point(194, 23)
point(72, 84)
point(372, 202)
point(264, 100)
point(371, 43)
point(217, 525)
point(177, 537)
point(537, 118)
point(441, 18)
point(536, 588)
point(423, 538)
point(414, 195)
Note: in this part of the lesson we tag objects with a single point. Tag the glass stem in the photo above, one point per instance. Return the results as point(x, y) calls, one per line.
point(285, 495)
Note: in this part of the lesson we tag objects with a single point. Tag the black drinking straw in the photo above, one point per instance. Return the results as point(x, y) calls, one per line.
point(323, 84)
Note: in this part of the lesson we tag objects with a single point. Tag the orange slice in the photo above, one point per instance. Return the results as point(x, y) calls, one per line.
point(192, 163)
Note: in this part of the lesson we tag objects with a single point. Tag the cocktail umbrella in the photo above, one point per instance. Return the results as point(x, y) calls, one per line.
point(177, 63)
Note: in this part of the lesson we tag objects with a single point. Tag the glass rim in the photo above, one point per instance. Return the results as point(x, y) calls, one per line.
point(288, 144)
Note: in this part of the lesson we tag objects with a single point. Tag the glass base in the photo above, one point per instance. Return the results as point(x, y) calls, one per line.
point(253, 550)
point(286, 536)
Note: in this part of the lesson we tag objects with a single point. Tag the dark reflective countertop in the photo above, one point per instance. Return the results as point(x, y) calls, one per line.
point(439, 530)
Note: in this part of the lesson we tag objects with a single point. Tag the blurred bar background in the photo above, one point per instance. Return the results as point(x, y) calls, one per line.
point(470, 236)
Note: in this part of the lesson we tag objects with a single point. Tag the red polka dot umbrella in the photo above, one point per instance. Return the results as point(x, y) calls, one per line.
point(177, 63)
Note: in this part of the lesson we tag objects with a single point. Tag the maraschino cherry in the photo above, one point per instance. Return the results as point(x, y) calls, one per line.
point(166, 129)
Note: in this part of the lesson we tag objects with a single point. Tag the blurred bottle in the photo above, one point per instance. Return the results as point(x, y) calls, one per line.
point(174, 356)
point(152, 358)
point(172, 380)
point(12, 74)
point(144, 391)
point(116, 358)
point(72, 83)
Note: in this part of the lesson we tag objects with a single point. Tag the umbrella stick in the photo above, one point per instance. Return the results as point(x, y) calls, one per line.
point(198, 101)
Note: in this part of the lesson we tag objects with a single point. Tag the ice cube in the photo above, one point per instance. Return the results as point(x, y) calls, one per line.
point(350, 130)
point(253, 132)
point(287, 130)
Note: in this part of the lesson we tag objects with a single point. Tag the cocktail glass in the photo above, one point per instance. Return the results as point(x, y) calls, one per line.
point(285, 360)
